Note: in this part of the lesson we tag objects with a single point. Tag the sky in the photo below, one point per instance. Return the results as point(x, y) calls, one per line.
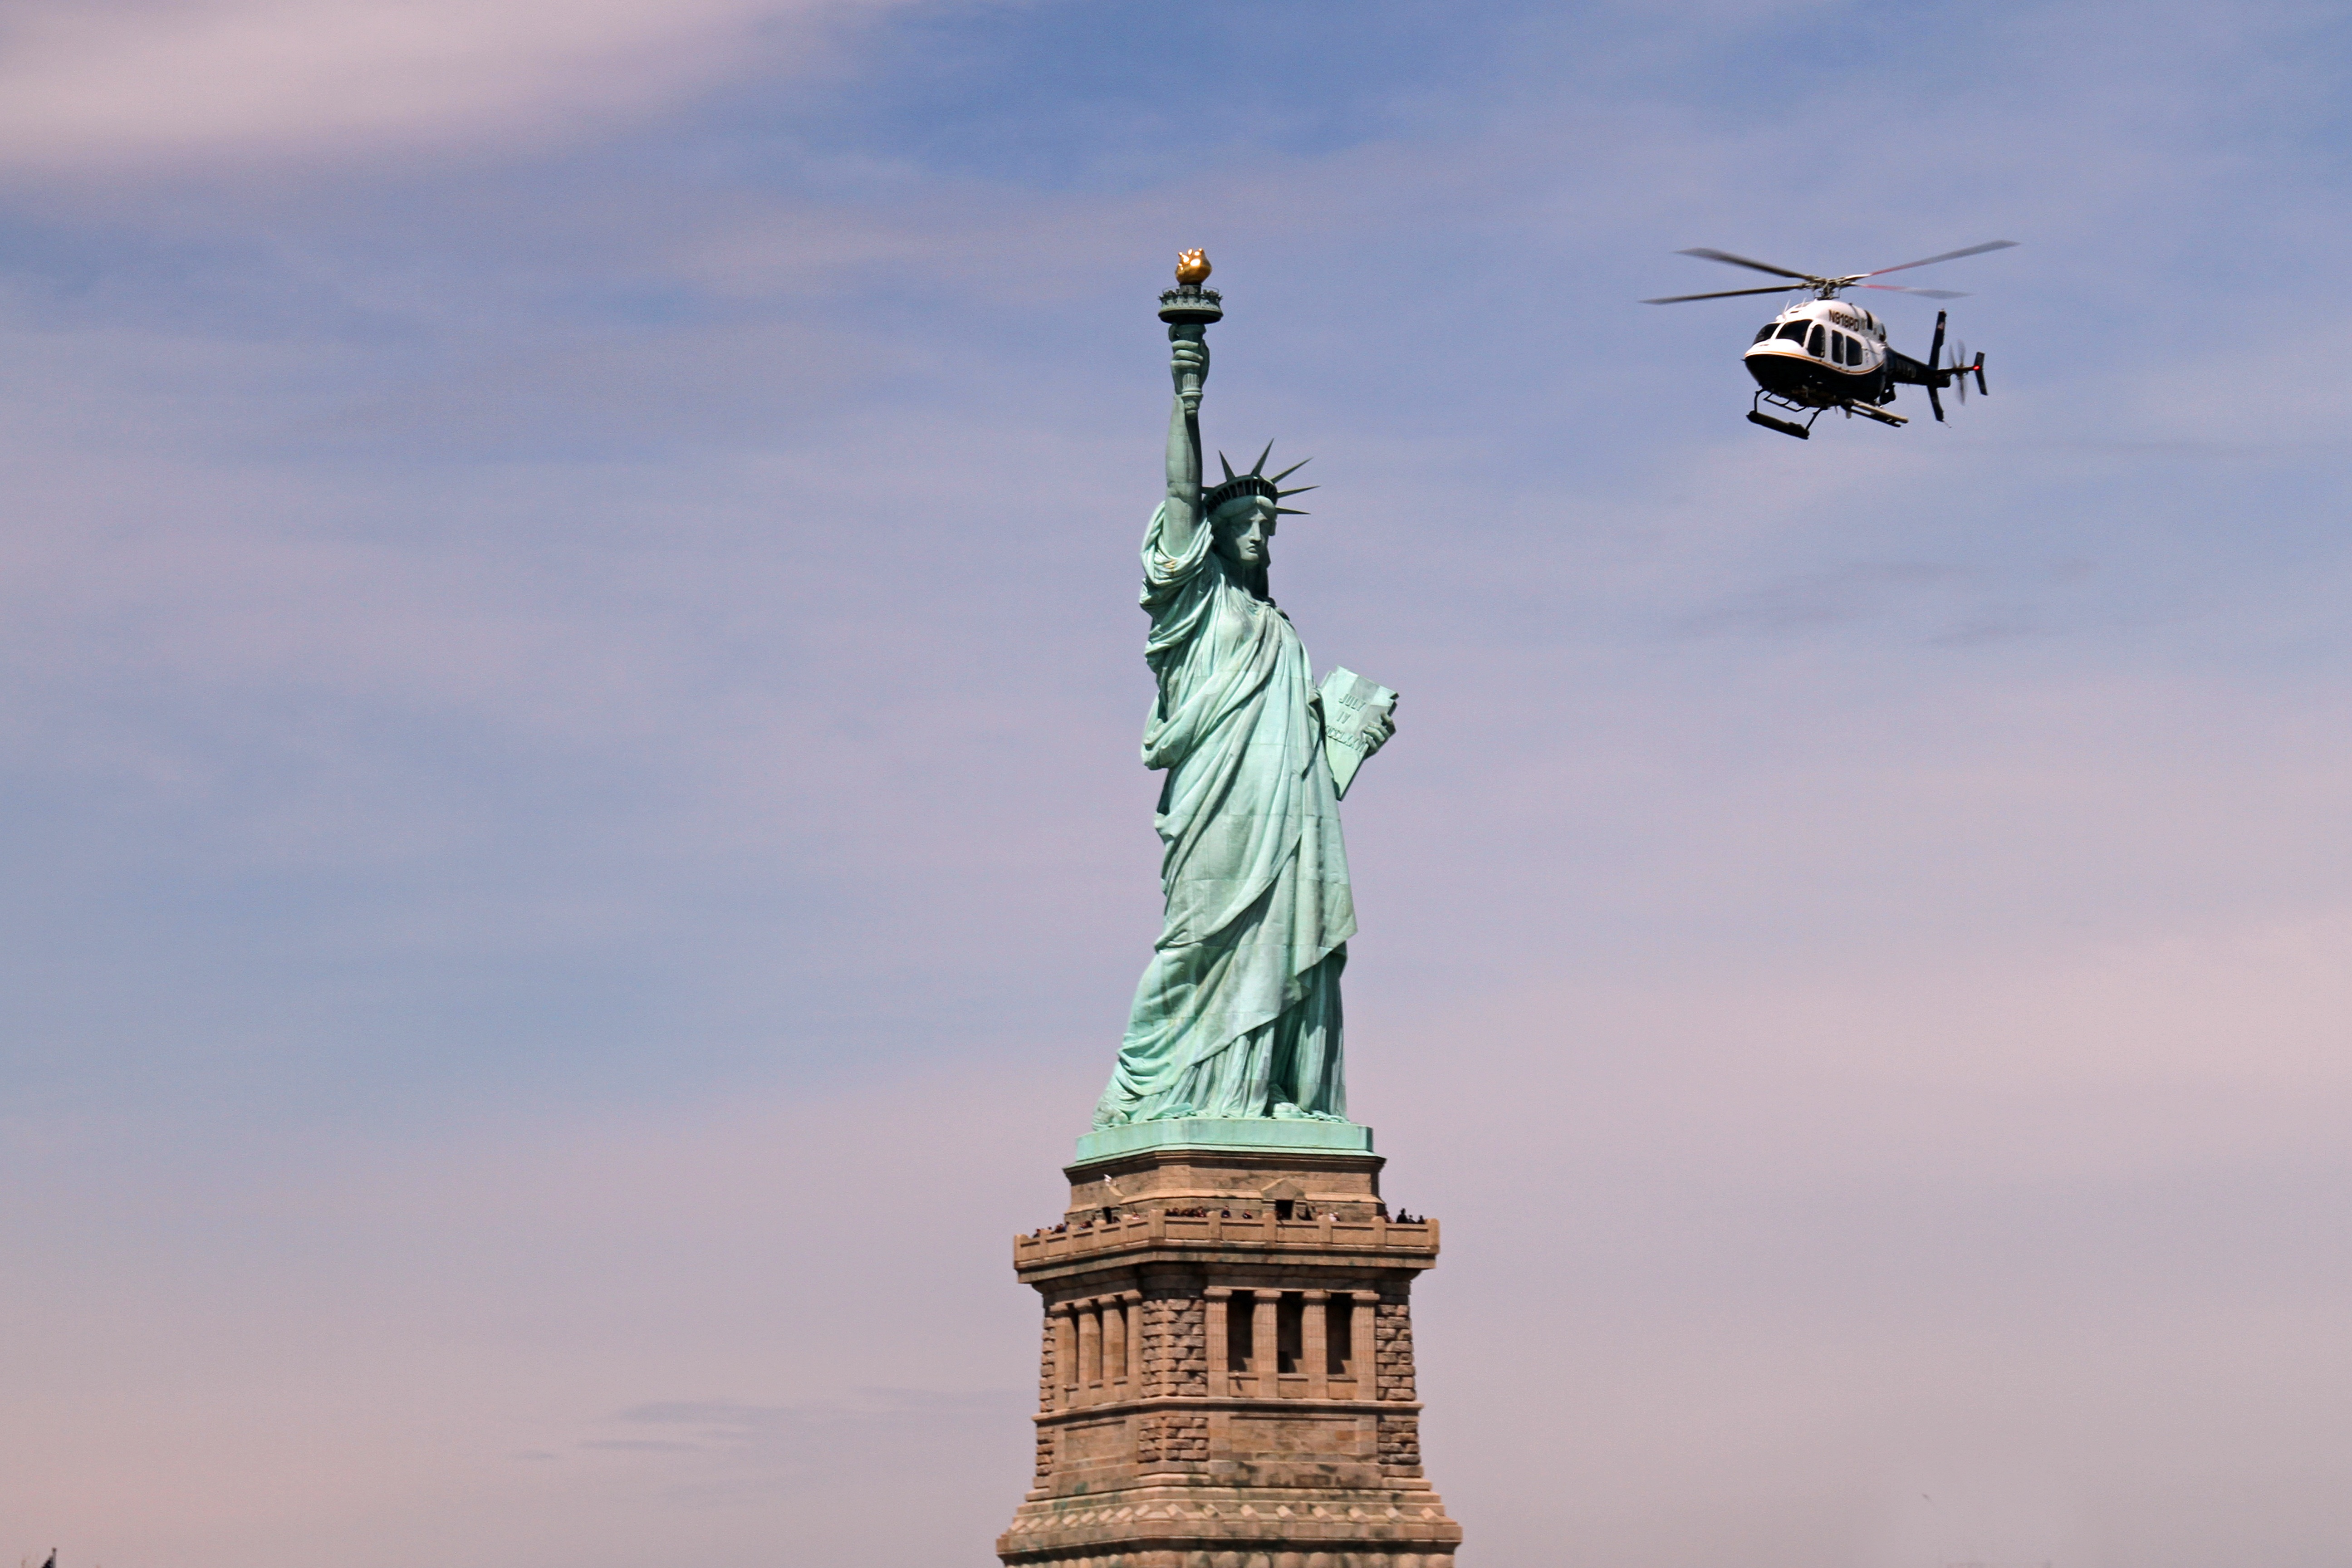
point(574, 856)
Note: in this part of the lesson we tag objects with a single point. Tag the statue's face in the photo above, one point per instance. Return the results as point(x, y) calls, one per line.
point(1245, 532)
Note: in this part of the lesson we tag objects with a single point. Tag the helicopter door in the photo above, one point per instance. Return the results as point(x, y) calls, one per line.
point(1817, 344)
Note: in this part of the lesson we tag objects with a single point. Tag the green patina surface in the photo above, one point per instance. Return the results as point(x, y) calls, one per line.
point(1237, 1018)
point(1224, 1132)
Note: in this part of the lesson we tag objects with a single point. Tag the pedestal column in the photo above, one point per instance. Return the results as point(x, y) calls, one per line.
point(1314, 1343)
point(1114, 1347)
point(1089, 1353)
point(1266, 1358)
point(1362, 1348)
point(1066, 1381)
point(1220, 1340)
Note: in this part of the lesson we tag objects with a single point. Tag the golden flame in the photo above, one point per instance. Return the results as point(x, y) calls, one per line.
point(1193, 266)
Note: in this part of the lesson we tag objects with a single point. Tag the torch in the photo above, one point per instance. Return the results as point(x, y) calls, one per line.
point(1188, 308)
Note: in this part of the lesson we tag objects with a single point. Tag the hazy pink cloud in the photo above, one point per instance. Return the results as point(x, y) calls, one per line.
point(177, 82)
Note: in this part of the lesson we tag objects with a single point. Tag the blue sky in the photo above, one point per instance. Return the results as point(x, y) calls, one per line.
point(574, 856)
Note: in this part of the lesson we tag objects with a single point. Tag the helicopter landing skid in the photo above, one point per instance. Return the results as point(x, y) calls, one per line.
point(1787, 427)
point(1801, 432)
point(1870, 412)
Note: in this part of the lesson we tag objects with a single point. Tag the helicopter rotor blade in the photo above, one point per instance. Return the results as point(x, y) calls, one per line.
point(1924, 293)
point(1726, 257)
point(1947, 256)
point(1726, 294)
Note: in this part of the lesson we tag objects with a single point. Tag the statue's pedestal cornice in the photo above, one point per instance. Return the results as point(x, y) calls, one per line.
point(1252, 1134)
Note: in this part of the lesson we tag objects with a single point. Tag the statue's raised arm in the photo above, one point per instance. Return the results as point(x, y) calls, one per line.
point(1187, 309)
point(1189, 362)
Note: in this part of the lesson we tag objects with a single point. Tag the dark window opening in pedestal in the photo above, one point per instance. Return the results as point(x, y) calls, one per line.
point(1239, 1311)
point(1289, 1332)
point(1339, 1338)
point(1283, 1207)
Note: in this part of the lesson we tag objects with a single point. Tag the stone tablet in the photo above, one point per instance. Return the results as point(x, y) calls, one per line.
point(1352, 711)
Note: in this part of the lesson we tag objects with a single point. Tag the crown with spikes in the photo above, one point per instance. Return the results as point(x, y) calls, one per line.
point(1256, 483)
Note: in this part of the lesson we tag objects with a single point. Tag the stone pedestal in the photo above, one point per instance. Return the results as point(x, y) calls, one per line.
point(1227, 1373)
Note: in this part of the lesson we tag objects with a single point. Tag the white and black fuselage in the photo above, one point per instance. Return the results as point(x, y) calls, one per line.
point(1823, 354)
point(1826, 353)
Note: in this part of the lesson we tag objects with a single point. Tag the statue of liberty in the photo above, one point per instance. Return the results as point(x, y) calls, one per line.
point(1237, 1016)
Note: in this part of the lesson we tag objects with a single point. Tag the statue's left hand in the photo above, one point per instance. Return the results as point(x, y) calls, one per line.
point(1380, 735)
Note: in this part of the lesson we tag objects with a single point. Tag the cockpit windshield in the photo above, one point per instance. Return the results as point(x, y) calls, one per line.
point(1795, 330)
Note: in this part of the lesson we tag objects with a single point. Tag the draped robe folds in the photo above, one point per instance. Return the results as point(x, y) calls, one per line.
point(1238, 1013)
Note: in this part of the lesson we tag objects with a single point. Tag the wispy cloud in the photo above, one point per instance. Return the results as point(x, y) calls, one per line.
point(173, 83)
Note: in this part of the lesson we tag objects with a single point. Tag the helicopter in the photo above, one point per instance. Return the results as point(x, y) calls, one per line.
point(1826, 353)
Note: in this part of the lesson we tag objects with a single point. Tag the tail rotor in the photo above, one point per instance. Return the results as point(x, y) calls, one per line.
point(1955, 374)
point(1963, 368)
point(1935, 372)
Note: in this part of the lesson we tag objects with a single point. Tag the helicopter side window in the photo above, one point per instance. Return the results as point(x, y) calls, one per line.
point(1849, 350)
point(1818, 345)
point(1794, 331)
point(1837, 348)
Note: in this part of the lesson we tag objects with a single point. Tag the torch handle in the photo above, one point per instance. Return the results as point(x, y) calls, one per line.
point(1187, 382)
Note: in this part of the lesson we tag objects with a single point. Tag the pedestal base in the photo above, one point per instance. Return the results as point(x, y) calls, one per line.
point(1227, 1374)
point(1232, 1527)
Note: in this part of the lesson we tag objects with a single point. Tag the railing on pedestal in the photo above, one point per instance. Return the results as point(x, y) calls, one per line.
point(1322, 1233)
